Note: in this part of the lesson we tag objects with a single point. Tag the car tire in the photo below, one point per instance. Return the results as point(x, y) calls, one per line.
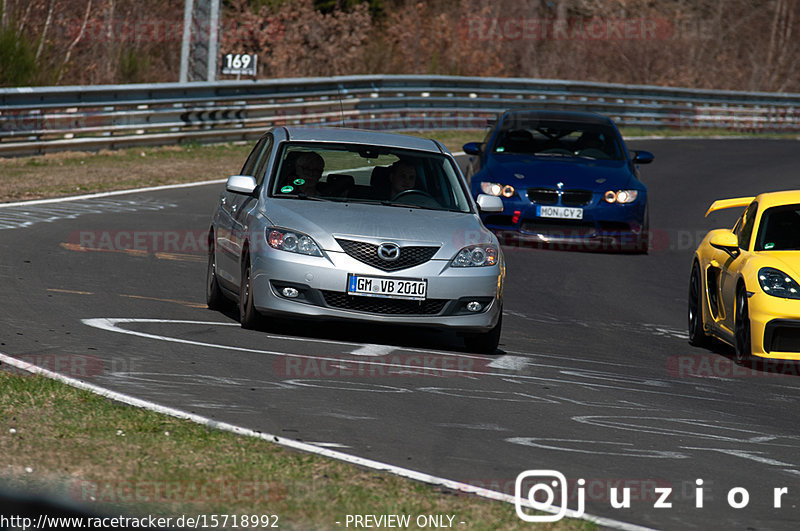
point(741, 327)
point(643, 242)
point(697, 334)
point(215, 300)
point(485, 342)
point(248, 315)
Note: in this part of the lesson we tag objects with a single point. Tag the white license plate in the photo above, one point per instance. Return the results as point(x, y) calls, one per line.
point(392, 288)
point(543, 211)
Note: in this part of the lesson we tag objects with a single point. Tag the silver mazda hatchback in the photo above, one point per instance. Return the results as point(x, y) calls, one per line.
point(359, 226)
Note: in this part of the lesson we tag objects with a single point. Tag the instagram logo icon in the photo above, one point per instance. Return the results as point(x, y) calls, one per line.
point(542, 487)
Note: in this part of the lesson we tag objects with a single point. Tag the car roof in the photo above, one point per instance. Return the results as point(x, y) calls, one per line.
point(558, 116)
point(360, 136)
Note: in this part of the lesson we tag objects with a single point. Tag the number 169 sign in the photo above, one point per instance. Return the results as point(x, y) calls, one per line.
point(239, 64)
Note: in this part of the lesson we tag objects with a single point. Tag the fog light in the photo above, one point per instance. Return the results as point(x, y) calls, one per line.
point(290, 293)
point(474, 306)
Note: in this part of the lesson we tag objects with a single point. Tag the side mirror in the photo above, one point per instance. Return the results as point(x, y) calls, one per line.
point(643, 157)
point(472, 148)
point(489, 203)
point(725, 240)
point(241, 184)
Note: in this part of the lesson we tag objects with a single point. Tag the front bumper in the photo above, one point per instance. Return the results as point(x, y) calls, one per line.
point(322, 281)
point(604, 226)
point(774, 327)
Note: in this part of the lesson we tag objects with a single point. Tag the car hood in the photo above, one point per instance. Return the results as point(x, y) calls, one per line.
point(326, 221)
point(526, 171)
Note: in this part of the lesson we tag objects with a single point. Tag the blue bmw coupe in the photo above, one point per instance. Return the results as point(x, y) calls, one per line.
point(565, 178)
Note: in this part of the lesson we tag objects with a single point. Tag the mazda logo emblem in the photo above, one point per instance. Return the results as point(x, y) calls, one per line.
point(389, 251)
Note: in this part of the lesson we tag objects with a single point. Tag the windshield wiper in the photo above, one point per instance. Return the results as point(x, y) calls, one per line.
point(395, 204)
point(564, 155)
point(309, 197)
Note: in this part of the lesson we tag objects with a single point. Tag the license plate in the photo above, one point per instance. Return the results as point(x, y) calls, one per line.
point(543, 211)
point(391, 288)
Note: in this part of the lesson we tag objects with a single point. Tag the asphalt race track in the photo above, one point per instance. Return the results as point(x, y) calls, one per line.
point(596, 378)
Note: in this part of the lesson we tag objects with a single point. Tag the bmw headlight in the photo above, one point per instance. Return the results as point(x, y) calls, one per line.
point(621, 196)
point(293, 242)
point(497, 189)
point(476, 256)
point(778, 284)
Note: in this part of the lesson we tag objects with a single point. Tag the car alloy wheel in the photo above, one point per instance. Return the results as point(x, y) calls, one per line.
point(697, 335)
point(742, 327)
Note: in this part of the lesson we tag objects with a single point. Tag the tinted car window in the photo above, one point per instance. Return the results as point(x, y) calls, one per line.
point(261, 165)
point(780, 229)
point(254, 157)
point(747, 223)
point(557, 138)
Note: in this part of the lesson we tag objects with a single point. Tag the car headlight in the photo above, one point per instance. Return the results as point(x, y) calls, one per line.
point(293, 242)
point(621, 196)
point(476, 256)
point(778, 284)
point(505, 190)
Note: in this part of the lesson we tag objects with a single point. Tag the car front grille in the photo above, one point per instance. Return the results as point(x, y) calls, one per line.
point(576, 197)
point(549, 196)
point(543, 196)
point(368, 253)
point(383, 306)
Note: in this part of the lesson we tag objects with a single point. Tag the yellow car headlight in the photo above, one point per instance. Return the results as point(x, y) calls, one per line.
point(778, 284)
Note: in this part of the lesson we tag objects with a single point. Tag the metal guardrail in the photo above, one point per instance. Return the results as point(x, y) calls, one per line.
point(43, 119)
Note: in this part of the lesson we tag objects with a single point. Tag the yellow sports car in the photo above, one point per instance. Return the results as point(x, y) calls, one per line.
point(744, 285)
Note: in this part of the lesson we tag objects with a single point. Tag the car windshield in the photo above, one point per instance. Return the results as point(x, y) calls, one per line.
point(543, 138)
point(780, 229)
point(368, 174)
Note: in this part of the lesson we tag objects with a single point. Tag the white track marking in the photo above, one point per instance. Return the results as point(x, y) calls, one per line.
point(373, 350)
point(686, 427)
point(109, 194)
point(623, 449)
point(110, 325)
point(743, 454)
point(329, 445)
point(310, 448)
point(482, 427)
point(22, 217)
point(511, 363)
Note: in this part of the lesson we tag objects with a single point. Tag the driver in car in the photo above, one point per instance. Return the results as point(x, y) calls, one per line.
point(402, 177)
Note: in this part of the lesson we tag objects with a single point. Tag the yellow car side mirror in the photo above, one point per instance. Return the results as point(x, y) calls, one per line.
point(725, 240)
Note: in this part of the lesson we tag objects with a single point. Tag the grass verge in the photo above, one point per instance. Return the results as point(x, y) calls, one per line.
point(117, 459)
